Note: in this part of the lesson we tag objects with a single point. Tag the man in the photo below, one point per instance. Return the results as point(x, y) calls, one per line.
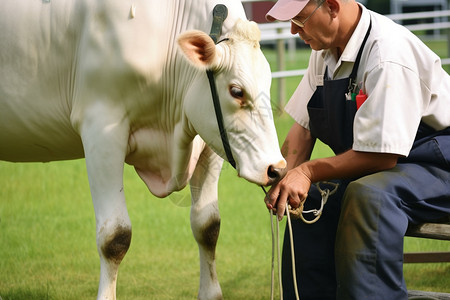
point(392, 149)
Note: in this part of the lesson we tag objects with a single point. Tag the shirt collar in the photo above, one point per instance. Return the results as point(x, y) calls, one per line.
point(351, 50)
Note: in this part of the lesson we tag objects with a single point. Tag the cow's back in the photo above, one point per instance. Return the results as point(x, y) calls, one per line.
point(50, 51)
point(58, 57)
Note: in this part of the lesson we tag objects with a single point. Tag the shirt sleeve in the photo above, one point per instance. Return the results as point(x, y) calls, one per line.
point(387, 122)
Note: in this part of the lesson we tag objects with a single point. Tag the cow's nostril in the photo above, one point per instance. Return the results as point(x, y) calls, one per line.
point(275, 174)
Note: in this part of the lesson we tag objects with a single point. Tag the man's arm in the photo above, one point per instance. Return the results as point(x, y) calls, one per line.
point(294, 187)
point(297, 146)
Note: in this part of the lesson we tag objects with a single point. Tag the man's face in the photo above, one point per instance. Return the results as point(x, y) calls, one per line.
point(317, 30)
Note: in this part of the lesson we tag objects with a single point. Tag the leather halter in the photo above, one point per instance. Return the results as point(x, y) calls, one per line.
point(220, 13)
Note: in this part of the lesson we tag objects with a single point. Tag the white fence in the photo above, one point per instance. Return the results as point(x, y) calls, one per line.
point(278, 33)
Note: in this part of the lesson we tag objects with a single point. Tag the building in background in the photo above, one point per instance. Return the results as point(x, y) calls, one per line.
point(256, 11)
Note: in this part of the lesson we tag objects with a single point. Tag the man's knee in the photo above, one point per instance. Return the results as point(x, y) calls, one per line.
point(361, 199)
point(359, 220)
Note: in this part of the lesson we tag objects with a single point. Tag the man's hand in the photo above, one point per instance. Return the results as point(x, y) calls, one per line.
point(292, 189)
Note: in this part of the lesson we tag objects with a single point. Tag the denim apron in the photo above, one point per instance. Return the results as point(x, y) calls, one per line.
point(332, 111)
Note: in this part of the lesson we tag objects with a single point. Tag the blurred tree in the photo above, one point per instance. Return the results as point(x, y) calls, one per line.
point(380, 6)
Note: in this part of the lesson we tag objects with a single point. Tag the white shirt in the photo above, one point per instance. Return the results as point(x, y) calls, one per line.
point(401, 76)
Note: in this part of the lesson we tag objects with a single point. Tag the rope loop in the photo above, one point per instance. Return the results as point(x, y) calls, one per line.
point(297, 213)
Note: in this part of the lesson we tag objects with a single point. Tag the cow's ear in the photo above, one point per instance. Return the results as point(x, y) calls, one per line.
point(198, 48)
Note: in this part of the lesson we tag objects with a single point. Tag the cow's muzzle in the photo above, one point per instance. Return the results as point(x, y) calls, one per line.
point(275, 174)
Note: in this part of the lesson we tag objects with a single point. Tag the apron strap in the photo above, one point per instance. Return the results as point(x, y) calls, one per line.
point(358, 58)
point(352, 84)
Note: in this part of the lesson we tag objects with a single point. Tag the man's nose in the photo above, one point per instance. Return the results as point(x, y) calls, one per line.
point(295, 29)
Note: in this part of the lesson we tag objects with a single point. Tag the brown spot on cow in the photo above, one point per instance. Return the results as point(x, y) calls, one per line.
point(210, 234)
point(116, 246)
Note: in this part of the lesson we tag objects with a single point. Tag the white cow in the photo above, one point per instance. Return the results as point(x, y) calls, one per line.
point(124, 81)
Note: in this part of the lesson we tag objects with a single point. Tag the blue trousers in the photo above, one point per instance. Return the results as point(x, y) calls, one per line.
point(355, 250)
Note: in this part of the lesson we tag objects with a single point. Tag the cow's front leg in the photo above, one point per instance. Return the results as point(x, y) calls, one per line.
point(205, 220)
point(105, 136)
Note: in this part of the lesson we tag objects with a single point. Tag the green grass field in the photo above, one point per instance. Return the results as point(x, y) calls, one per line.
point(48, 250)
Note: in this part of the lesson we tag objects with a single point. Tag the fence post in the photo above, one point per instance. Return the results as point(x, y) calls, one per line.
point(281, 66)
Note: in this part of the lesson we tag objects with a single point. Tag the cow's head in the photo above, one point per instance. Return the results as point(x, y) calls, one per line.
point(243, 81)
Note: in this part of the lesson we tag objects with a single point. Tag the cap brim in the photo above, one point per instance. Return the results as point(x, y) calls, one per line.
point(284, 10)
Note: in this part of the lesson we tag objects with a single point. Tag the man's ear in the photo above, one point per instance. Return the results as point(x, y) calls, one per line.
point(334, 6)
point(198, 48)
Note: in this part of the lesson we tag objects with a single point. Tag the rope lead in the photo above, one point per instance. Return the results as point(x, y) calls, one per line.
point(296, 214)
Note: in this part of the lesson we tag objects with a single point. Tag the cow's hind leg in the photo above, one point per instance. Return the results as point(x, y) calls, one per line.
point(105, 145)
point(205, 221)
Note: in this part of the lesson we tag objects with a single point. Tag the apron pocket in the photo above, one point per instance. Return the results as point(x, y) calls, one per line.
point(350, 111)
point(443, 149)
point(434, 151)
point(318, 122)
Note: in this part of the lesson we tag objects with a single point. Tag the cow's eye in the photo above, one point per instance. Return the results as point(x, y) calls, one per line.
point(236, 92)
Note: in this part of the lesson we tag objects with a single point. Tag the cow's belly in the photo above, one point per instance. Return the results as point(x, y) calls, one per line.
point(37, 132)
point(50, 146)
point(37, 81)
